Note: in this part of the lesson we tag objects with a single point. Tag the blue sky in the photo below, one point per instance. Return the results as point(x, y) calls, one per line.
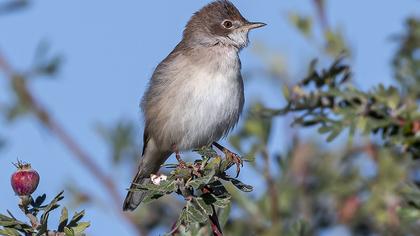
point(110, 50)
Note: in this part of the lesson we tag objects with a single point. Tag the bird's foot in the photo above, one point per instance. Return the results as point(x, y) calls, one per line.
point(181, 163)
point(234, 159)
point(231, 157)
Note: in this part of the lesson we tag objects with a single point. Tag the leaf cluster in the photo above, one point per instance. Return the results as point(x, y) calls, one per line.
point(201, 183)
point(11, 226)
point(326, 99)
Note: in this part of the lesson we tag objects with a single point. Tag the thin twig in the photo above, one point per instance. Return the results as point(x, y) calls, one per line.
point(69, 142)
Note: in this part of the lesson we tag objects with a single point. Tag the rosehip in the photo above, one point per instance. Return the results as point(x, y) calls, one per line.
point(25, 180)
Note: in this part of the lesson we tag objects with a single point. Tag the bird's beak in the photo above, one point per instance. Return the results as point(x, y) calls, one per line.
point(254, 25)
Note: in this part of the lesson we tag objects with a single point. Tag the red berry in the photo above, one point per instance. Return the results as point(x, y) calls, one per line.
point(25, 180)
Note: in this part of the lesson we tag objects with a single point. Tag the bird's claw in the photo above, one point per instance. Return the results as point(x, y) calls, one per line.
point(181, 163)
point(234, 159)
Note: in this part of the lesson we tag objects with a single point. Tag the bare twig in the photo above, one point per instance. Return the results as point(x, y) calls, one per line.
point(69, 142)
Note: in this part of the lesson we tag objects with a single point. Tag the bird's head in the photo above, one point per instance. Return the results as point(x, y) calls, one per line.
point(219, 22)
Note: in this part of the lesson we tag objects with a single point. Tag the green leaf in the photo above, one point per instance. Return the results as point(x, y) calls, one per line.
point(9, 232)
point(164, 187)
point(194, 214)
point(63, 220)
point(324, 129)
point(203, 206)
point(76, 218)
point(7, 221)
point(334, 134)
point(221, 202)
point(53, 204)
point(42, 229)
point(39, 200)
point(201, 181)
point(69, 231)
point(207, 152)
point(241, 186)
point(224, 215)
point(11, 215)
point(81, 227)
point(152, 196)
point(216, 201)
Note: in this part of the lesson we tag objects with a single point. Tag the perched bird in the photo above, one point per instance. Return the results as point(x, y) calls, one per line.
point(196, 94)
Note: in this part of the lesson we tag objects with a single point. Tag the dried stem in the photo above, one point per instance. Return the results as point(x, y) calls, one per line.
point(67, 140)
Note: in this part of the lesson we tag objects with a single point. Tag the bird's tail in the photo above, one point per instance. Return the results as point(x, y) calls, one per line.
point(150, 163)
point(135, 196)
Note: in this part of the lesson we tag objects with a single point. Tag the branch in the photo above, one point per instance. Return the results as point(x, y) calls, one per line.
point(66, 139)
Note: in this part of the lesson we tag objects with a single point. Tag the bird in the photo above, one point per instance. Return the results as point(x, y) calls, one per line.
point(196, 94)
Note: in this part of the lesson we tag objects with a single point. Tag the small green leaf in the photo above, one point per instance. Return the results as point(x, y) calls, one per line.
point(81, 227)
point(63, 219)
point(241, 186)
point(334, 134)
point(39, 200)
point(152, 196)
point(76, 218)
point(216, 201)
point(324, 129)
point(164, 187)
point(43, 228)
point(201, 181)
point(68, 231)
point(193, 214)
point(206, 152)
point(207, 209)
point(224, 215)
point(9, 232)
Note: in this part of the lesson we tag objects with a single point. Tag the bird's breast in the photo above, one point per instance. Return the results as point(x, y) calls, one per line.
point(207, 105)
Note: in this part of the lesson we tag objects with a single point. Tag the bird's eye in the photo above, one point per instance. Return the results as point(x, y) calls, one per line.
point(227, 24)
